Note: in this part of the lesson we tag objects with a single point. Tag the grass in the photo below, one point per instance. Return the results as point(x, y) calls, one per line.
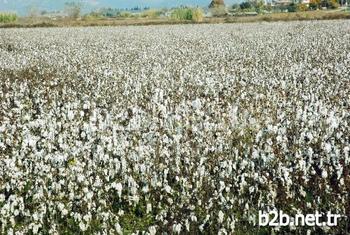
point(65, 22)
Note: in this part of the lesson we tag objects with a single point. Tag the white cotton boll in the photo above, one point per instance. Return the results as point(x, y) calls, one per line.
point(118, 187)
point(244, 163)
point(196, 104)
point(16, 212)
point(80, 178)
point(333, 121)
point(233, 114)
point(149, 208)
point(346, 154)
point(82, 227)
point(31, 141)
point(222, 185)
point(328, 147)
point(120, 212)
point(221, 216)
point(279, 139)
point(145, 189)
point(118, 229)
point(70, 115)
point(60, 206)
point(36, 228)
point(162, 109)
point(86, 105)
point(167, 189)
point(87, 218)
point(310, 136)
point(89, 195)
point(152, 230)
point(177, 228)
point(35, 216)
point(187, 225)
point(64, 212)
point(222, 232)
point(201, 227)
point(2, 197)
point(193, 218)
point(324, 174)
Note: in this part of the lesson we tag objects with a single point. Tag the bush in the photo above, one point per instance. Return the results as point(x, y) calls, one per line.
point(151, 13)
point(333, 5)
point(302, 7)
point(292, 7)
point(197, 15)
point(193, 14)
point(7, 17)
point(93, 16)
point(125, 14)
point(182, 14)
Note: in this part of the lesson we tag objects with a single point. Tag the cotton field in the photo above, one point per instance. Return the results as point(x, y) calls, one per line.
point(186, 129)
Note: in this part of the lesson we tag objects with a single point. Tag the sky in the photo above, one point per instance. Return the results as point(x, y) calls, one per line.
point(22, 6)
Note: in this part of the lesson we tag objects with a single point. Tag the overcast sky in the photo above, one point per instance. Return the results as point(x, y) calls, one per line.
point(21, 6)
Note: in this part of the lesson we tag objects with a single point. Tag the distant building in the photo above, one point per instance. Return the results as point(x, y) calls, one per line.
point(288, 2)
point(54, 14)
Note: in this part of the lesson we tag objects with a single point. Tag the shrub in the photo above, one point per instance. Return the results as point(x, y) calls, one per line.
point(93, 16)
point(7, 17)
point(302, 7)
point(182, 14)
point(292, 7)
point(333, 5)
point(197, 15)
point(193, 14)
point(151, 13)
point(125, 14)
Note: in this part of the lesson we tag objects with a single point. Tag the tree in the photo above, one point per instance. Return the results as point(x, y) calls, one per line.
point(302, 7)
point(217, 3)
point(217, 8)
point(235, 6)
point(292, 7)
point(73, 9)
point(245, 5)
point(256, 5)
point(331, 4)
point(314, 4)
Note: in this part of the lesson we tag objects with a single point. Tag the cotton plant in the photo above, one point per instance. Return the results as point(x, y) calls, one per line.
point(187, 129)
